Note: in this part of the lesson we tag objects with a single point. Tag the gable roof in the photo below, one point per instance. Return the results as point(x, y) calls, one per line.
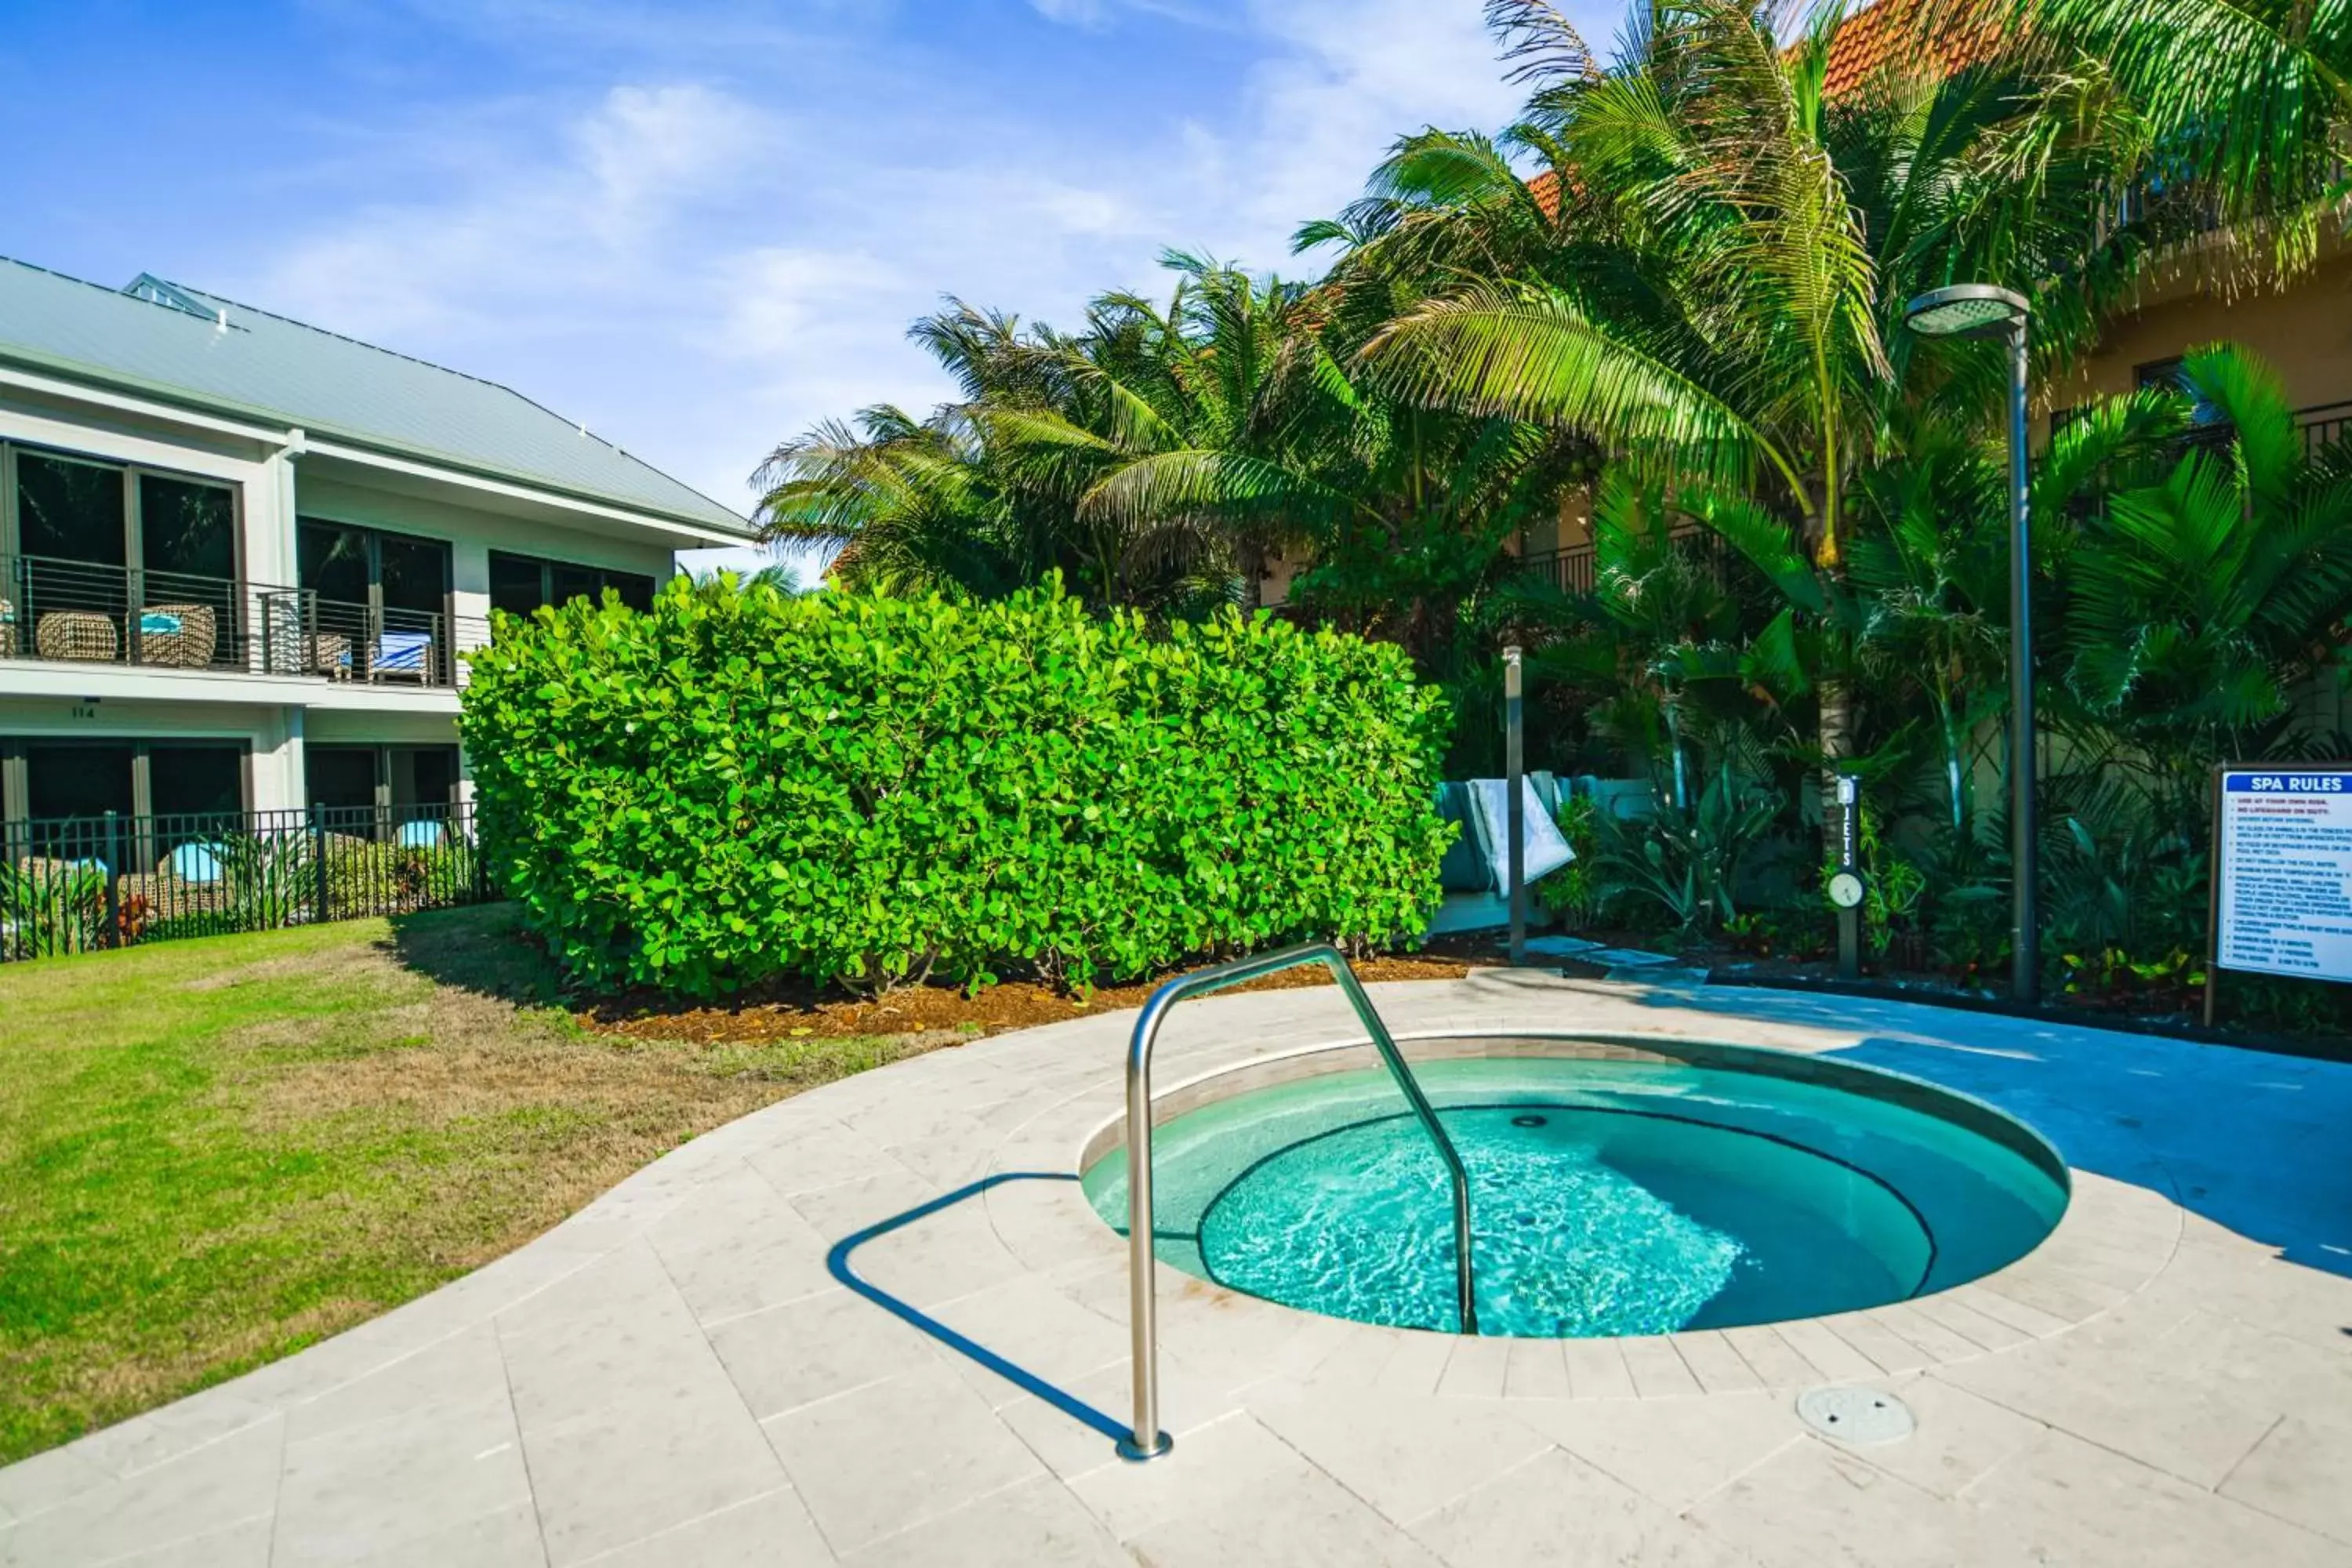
point(182, 345)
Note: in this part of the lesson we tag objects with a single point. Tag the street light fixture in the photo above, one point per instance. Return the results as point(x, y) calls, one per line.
point(1983, 310)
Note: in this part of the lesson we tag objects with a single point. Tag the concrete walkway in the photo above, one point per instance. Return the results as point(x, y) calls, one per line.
point(675, 1376)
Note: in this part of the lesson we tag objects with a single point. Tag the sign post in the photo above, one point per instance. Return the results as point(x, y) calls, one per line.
point(2281, 892)
point(1847, 886)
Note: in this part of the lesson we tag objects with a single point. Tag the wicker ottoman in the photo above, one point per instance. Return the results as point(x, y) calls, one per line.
point(181, 635)
point(77, 634)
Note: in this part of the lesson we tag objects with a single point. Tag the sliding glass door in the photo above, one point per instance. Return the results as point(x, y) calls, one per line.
point(382, 602)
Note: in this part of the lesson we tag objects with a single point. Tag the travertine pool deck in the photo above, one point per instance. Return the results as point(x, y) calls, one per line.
point(674, 1375)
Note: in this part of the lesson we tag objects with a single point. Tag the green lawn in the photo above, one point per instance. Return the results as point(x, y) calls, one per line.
point(213, 1152)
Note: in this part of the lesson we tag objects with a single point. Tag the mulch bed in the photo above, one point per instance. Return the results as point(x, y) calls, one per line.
point(784, 1012)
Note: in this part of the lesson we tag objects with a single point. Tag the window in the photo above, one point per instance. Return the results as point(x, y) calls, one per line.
point(161, 789)
point(91, 539)
point(521, 583)
point(350, 781)
point(380, 598)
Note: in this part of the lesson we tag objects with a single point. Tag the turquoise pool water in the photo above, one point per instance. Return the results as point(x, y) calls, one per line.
point(1607, 1197)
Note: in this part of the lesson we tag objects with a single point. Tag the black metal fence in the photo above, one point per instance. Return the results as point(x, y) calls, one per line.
point(75, 884)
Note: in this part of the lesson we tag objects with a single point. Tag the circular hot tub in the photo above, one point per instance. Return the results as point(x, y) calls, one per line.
point(1615, 1189)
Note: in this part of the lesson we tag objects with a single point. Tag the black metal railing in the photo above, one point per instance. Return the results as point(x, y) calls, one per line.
point(92, 612)
point(2324, 424)
point(1574, 570)
point(76, 884)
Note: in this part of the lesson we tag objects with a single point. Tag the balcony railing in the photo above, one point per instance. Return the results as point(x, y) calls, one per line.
point(89, 612)
point(1573, 570)
point(2322, 424)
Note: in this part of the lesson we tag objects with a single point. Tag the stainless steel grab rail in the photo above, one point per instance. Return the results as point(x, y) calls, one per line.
point(1146, 1440)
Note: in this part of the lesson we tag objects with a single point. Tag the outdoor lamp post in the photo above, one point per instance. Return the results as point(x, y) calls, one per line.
point(1983, 310)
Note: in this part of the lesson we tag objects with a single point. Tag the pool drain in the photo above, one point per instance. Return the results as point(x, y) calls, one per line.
point(1531, 1120)
point(1864, 1415)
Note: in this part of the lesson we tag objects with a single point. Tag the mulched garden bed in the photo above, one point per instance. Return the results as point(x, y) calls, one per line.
point(784, 1012)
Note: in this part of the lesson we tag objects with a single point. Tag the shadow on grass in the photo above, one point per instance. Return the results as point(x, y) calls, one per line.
point(483, 949)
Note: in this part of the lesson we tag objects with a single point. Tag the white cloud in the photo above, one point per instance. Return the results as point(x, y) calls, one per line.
point(1075, 13)
point(699, 276)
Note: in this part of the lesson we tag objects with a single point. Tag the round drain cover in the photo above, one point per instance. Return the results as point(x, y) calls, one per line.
point(1856, 1415)
point(1531, 1120)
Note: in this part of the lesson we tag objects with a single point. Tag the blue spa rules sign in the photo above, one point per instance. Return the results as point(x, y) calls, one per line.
point(2284, 905)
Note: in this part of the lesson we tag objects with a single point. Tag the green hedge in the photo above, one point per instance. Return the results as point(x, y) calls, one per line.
point(745, 783)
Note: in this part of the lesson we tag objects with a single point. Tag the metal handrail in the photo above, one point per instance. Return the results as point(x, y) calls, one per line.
point(1146, 1440)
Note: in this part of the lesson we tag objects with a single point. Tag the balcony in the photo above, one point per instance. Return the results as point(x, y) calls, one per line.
point(1572, 570)
point(87, 613)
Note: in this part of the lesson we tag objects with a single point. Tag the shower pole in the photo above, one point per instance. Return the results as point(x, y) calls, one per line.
point(1516, 811)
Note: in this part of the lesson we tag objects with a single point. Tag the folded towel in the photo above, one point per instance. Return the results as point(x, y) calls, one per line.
point(158, 624)
point(1543, 850)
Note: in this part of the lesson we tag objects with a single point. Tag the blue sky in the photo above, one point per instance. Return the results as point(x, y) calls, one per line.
point(700, 226)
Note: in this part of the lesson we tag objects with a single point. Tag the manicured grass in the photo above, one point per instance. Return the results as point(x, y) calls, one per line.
point(214, 1153)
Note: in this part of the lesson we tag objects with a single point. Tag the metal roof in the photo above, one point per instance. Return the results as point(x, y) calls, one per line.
point(233, 359)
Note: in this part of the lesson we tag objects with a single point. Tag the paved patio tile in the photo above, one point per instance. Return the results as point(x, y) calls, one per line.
point(1406, 1457)
point(1658, 1369)
point(209, 1490)
point(1716, 1362)
point(373, 1488)
point(816, 1151)
point(1476, 1370)
point(48, 1481)
point(1810, 1505)
point(770, 1530)
point(1675, 1451)
point(498, 1538)
point(1776, 1363)
point(2297, 1473)
point(1959, 1439)
point(1246, 1496)
point(1036, 1524)
point(1597, 1370)
point(2073, 1502)
point(675, 1377)
point(1037, 1328)
point(798, 1353)
point(1558, 1508)
point(1536, 1370)
point(2192, 1401)
point(875, 1460)
point(609, 1478)
point(737, 1246)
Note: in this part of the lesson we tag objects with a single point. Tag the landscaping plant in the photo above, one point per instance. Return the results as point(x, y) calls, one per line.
point(861, 789)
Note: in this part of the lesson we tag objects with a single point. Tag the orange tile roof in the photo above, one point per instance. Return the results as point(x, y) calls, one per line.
point(1956, 33)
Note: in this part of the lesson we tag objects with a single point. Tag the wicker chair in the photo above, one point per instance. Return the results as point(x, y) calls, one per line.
point(185, 636)
point(330, 655)
point(8, 629)
point(77, 634)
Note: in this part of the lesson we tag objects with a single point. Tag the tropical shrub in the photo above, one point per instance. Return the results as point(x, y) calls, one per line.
point(865, 789)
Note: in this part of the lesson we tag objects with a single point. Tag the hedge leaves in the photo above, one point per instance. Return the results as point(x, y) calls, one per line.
point(743, 784)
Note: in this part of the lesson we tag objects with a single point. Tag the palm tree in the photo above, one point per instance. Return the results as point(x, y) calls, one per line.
point(911, 506)
point(2198, 604)
point(1711, 288)
point(2251, 101)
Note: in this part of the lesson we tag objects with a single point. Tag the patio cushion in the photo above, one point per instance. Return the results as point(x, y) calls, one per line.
point(402, 653)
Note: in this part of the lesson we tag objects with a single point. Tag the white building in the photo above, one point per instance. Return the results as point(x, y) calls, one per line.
point(239, 556)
